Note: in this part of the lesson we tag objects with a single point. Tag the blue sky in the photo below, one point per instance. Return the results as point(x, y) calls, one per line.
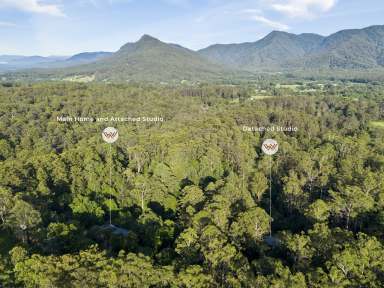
point(66, 27)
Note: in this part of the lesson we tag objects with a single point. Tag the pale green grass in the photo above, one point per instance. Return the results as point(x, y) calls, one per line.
point(261, 97)
point(293, 87)
point(377, 124)
point(80, 78)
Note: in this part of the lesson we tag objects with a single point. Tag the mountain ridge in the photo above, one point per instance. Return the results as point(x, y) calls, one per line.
point(150, 59)
point(89, 56)
point(345, 49)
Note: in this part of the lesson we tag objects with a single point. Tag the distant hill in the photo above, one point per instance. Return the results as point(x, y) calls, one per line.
point(15, 62)
point(347, 49)
point(88, 57)
point(150, 59)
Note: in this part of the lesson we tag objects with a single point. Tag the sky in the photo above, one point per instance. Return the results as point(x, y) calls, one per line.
point(67, 27)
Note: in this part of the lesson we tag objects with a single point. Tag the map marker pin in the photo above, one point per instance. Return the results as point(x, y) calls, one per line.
point(110, 135)
point(270, 148)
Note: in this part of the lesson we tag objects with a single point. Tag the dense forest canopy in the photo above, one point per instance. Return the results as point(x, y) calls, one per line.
point(190, 201)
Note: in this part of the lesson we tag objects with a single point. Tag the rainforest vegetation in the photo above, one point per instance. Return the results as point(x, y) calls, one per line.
point(189, 196)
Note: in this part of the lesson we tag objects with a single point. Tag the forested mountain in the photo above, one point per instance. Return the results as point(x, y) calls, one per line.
point(150, 59)
point(347, 49)
point(350, 49)
point(88, 56)
point(270, 52)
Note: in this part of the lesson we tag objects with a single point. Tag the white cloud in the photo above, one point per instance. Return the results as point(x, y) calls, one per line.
point(256, 15)
point(301, 8)
point(270, 23)
point(7, 24)
point(32, 6)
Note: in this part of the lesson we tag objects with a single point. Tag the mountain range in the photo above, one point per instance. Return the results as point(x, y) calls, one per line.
point(150, 59)
point(16, 62)
point(347, 49)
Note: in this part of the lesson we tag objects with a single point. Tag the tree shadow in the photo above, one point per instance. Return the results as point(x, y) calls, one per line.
point(186, 182)
point(161, 211)
point(205, 181)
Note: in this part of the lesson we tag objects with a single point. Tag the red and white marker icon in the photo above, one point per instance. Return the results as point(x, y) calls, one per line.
point(270, 147)
point(110, 135)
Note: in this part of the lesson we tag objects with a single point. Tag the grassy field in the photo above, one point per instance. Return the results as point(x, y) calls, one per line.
point(261, 97)
point(377, 124)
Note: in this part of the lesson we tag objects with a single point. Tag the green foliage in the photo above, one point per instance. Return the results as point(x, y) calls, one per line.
point(250, 226)
point(318, 211)
point(23, 219)
point(6, 204)
point(359, 264)
point(189, 196)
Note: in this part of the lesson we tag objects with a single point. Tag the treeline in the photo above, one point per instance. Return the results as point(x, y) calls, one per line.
point(190, 197)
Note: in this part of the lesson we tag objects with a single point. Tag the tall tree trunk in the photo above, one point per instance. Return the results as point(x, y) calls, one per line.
point(347, 224)
point(142, 200)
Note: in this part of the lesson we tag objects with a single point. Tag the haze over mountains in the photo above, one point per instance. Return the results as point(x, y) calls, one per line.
point(15, 62)
point(150, 59)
